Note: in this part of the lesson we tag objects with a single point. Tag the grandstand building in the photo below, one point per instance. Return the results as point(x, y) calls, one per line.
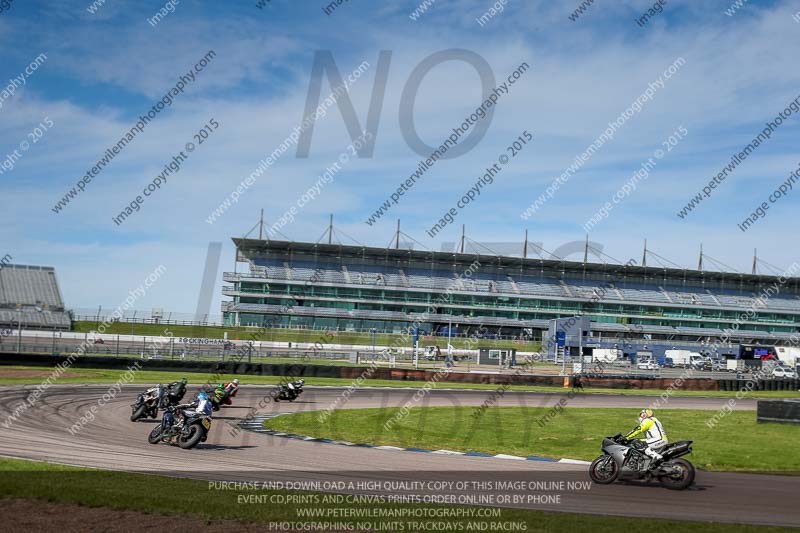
point(355, 288)
point(30, 297)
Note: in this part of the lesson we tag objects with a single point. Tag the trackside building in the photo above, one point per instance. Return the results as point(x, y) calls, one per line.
point(356, 288)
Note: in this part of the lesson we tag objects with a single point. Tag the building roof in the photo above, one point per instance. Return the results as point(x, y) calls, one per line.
point(562, 267)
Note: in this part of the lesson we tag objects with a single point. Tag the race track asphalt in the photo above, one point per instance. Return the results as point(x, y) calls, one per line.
point(111, 441)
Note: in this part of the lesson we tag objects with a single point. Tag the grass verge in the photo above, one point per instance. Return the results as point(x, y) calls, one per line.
point(736, 443)
point(99, 376)
point(294, 335)
point(175, 497)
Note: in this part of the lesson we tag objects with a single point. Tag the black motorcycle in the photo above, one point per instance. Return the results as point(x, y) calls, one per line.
point(159, 397)
point(289, 392)
point(147, 403)
point(178, 427)
point(175, 393)
point(625, 460)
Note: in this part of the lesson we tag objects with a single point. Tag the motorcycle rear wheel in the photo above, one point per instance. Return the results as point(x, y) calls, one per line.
point(155, 435)
point(684, 481)
point(193, 439)
point(604, 470)
point(139, 413)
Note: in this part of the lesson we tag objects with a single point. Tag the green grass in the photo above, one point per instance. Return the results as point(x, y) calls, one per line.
point(97, 375)
point(293, 335)
point(176, 497)
point(736, 443)
point(365, 361)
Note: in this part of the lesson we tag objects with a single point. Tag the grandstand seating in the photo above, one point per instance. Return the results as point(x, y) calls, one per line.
point(29, 285)
point(667, 294)
point(34, 319)
point(509, 284)
point(634, 305)
point(30, 295)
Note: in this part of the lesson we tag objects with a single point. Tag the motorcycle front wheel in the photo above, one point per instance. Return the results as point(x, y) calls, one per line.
point(680, 481)
point(155, 435)
point(192, 439)
point(604, 470)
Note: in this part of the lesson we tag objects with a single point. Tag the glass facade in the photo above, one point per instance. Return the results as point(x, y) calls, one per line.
point(474, 305)
point(356, 288)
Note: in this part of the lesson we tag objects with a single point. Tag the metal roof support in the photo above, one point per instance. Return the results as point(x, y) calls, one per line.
point(700, 261)
point(525, 245)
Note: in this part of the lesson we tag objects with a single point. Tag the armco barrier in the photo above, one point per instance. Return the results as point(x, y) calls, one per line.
point(779, 411)
point(396, 374)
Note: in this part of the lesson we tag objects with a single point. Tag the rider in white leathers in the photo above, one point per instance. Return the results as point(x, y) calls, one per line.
point(651, 432)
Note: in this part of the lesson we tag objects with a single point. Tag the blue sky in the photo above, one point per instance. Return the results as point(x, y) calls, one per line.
point(105, 69)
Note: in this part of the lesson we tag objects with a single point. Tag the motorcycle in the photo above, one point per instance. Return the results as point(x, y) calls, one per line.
point(150, 401)
point(147, 403)
point(621, 460)
point(175, 393)
point(178, 427)
point(289, 392)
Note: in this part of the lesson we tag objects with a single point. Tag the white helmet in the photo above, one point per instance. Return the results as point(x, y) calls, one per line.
point(235, 381)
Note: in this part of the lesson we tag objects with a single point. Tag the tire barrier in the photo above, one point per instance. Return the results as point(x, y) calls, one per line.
point(736, 385)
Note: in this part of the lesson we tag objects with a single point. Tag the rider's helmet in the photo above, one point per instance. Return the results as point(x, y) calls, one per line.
point(184, 381)
point(645, 413)
point(202, 396)
point(302, 382)
point(235, 381)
